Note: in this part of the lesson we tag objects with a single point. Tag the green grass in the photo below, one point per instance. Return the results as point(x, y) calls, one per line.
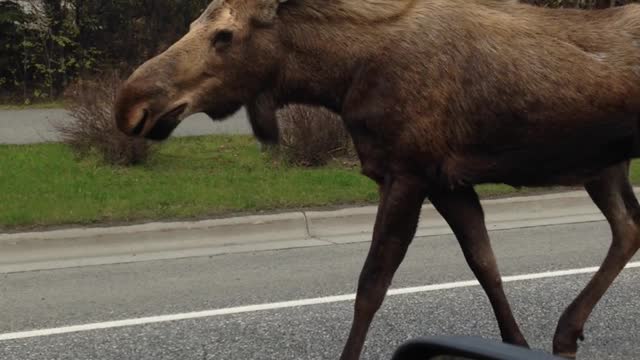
point(43, 185)
point(35, 106)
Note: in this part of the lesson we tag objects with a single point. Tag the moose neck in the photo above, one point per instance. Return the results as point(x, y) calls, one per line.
point(325, 46)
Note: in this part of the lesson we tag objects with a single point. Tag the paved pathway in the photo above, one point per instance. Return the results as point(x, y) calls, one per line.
point(34, 126)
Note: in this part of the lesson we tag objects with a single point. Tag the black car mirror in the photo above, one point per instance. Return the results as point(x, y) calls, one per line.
point(465, 348)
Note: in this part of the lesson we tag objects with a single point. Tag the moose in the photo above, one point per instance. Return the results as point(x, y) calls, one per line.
point(438, 96)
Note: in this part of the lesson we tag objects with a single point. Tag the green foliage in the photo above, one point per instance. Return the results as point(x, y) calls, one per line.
point(40, 50)
point(45, 46)
point(11, 37)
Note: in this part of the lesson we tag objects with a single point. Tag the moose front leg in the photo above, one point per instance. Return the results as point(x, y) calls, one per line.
point(263, 119)
point(462, 210)
point(396, 223)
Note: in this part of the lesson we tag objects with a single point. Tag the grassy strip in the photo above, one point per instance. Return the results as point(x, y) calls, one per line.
point(43, 185)
point(35, 106)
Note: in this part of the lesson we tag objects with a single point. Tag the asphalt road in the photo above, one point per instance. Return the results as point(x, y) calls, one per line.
point(61, 298)
point(35, 126)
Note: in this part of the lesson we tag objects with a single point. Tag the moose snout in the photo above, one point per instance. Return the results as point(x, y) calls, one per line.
point(136, 123)
point(156, 97)
point(149, 115)
point(132, 109)
point(140, 124)
point(138, 107)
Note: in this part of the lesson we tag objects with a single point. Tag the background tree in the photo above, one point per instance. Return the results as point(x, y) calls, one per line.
point(46, 44)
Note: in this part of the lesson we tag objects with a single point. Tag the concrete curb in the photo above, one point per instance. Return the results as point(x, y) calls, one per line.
point(355, 225)
point(293, 222)
point(155, 241)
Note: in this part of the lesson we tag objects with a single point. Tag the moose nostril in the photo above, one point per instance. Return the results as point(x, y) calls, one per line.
point(140, 126)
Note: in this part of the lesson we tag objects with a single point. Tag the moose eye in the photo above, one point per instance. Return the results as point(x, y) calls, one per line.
point(222, 39)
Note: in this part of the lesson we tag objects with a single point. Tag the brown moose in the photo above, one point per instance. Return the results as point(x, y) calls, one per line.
point(438, 96)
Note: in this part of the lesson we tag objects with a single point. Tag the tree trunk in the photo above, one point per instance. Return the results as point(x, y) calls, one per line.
point(56, 15)
point(603, 4)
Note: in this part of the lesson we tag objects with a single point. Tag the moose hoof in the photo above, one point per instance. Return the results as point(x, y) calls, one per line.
point(518, 341)
point(566, 344)
point(567, 355)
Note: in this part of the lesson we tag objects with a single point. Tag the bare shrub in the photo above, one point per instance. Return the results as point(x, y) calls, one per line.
point(312, 136)
point(93, 129)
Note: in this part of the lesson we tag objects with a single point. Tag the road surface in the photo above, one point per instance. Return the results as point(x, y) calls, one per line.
point(35, 126)
point(56, 300)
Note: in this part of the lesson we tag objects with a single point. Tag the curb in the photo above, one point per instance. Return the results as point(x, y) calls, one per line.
point(295, 223)
point(156, 241)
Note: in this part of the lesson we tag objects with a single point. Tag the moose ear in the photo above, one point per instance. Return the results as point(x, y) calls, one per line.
point(267, 10)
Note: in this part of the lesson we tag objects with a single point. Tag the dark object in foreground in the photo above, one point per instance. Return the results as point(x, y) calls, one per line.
point(465, 348)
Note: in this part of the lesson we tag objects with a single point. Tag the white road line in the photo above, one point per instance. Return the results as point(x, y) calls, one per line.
point(286, 304)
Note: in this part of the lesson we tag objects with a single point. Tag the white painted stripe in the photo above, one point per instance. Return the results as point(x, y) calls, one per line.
point(286, 304)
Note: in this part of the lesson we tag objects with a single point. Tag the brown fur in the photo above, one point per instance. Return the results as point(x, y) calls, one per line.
point(438, 95)
point(461, 117)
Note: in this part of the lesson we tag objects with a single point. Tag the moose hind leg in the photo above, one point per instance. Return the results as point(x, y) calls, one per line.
point(614, 196)
point(462, 210)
